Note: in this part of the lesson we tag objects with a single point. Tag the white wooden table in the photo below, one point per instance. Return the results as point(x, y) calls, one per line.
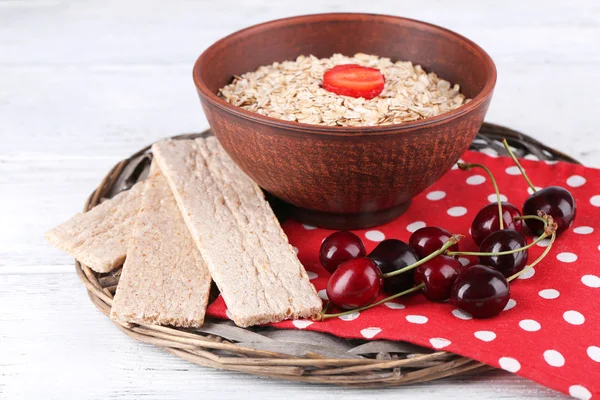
point(86, 83)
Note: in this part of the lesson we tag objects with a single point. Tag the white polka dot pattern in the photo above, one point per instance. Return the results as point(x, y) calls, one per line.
point(439, 343)
point(511, 304)
point(492, 198)
point(583, 230)
point(414, 226)
point(527, 274)
point(574, 317)
point(509, 364)
point(375, 236)
point(416, 319)
point(458, 211)
point(475, 180)
point(544, 242)
point(349, 317)
point(580, 392)
point(302, 323)
point(394, 306)
point(513, 170)
point(594, 353)
point(554, 358)
point(530, 191)
point(436, 195)
point(566, 257)
point(591, 280)
point(370, 333)
point(530, 325)
point(549, 294)
point(486, 336)
point(576, 181)
point(460, 314)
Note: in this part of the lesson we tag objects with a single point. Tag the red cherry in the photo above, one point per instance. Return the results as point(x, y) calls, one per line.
point(354, 80)
point(438, 275)
point(487, 221)
point(427, 240)
point(504, 240)
point(355, 283)
point(480, 291)
point(392, 255)
point(555, 201)
point(339, 247)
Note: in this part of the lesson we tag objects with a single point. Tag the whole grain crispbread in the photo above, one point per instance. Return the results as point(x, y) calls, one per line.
point(164, 280)
point(245, 249)
point(99, 237)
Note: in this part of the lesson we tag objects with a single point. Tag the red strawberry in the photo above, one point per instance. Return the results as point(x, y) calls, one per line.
point(354, 80)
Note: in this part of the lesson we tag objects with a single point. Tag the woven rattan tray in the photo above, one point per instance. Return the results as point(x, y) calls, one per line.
point(290, 354)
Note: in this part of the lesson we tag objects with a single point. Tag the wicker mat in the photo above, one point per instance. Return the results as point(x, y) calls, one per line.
point(293, 354)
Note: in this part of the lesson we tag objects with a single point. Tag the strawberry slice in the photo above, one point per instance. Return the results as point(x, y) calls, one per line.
point(354, 80)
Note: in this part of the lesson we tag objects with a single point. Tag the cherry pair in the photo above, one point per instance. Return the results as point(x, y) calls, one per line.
point(357, 279)
point(433, 271)
point(496, 229)
point(480, 290)
point(553, 200)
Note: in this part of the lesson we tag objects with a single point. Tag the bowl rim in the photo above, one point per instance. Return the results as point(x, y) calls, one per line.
point(218, 102)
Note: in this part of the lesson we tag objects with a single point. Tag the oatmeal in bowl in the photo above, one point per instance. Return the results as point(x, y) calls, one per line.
point(342, 131)
point(298, 91)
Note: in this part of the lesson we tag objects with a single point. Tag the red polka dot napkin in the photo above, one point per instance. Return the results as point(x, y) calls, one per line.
point(550, 329)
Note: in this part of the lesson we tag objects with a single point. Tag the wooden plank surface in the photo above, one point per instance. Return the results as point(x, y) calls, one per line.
point(86, 83)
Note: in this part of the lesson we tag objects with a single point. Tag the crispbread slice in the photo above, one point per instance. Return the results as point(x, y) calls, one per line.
point(245, 249)
point(164, 279)
point(99, 237)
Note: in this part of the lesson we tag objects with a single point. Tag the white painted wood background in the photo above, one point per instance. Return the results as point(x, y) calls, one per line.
point(85, 83)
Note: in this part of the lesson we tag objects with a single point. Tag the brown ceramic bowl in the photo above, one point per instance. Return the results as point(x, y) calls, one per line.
point(345, 177)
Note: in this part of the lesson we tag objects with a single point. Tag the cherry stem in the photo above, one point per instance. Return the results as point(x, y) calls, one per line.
point(533, 264)
point(504, 253)
point(468, 166)
point(451, 242)
point(319, 317)
point(395, 296)
point(539, 218)
point(512, 155)
point(500, 253)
